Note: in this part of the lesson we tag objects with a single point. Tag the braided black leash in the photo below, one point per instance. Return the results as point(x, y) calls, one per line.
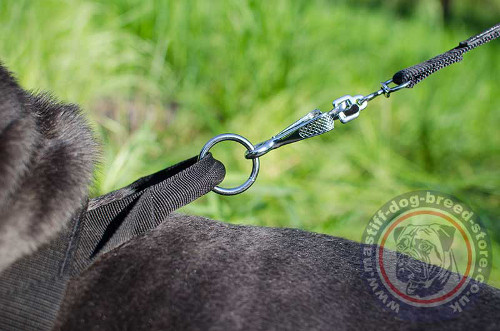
point(418, 72)
point(345, 109)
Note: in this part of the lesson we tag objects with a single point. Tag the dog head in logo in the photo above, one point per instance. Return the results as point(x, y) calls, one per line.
point(425, 259)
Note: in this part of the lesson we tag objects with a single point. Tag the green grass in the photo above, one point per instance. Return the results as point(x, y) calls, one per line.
point(159, 78)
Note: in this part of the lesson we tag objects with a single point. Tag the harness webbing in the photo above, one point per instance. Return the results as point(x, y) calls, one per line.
point(32, 288)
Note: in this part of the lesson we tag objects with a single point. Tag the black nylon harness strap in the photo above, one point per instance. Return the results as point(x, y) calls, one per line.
point(32, 288)
point(142, 206)
point(420, 71)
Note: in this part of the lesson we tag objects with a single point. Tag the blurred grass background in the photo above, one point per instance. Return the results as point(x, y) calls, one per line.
point(159, 78)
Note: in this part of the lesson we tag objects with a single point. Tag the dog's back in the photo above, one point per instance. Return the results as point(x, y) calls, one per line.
point(189, 273)
point(196, 274)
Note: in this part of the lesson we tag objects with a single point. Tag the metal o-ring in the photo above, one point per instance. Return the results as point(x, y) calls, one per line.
point(255, 162)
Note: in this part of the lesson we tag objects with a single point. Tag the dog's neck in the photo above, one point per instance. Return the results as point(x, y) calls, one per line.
point(48, 154)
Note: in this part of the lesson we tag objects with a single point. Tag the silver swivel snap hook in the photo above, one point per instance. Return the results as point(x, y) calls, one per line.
point(314, 123)
point(310, 125)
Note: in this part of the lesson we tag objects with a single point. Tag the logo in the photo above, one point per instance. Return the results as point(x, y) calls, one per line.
point(425, 256)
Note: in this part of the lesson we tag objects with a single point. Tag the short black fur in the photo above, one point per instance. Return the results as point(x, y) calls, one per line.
point(192, 273)
point(47, 154)
point(189, 273)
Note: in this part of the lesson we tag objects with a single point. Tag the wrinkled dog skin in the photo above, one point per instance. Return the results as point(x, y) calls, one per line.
point(189, 273)
point(47, 154)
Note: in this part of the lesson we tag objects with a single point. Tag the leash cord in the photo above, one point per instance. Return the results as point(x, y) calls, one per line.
point(420, 71)
point(345, 109)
